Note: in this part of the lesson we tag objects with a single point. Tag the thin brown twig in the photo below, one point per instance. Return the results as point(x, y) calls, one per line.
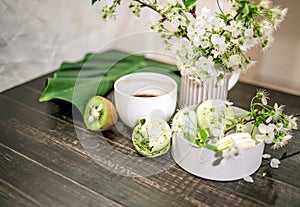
point(150, 7)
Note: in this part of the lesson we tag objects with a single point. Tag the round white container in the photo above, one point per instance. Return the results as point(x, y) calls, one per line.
point(209, 164)
point(130, 104)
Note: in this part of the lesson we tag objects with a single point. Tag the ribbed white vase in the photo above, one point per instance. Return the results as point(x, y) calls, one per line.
point(192, 92)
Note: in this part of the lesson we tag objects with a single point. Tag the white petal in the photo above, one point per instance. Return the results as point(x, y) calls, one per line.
point(260, 137)
point(269, 139)
point(269, 119)
point(228, 103)
point(215, 39)
point(248, 179)
point(266, 156)
point(271, 127)
point(262, 128)
point(274, 163)
point(264, 100)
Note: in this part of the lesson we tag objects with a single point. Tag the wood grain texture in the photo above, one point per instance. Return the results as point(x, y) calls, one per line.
point(44, 185)
point(48, 158)
point(13, 196)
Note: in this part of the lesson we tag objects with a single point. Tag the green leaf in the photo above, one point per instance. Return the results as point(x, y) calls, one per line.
point(245, 10)
point(76, 91)
point(212, 147)
point(200, 144)
point(95, 75)
point(76, 73)
point(203, 135)
point(189, 3)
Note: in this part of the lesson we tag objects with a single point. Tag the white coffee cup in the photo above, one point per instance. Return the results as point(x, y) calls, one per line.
point(145, 94)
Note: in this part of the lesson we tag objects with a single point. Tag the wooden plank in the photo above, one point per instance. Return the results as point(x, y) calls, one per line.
point(194, 193)
point(30, 97)
point(240, 89)
point(74, 163)
point(12, 196)
point(38, 84)
point(168, 189)
point(186, 188)
point(263, 192)
point(43, 185)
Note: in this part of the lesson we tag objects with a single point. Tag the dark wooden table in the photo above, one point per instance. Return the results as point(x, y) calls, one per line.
point(48, 158)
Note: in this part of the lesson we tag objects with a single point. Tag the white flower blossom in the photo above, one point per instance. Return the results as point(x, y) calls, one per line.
point(224, 36)
point(251, 64)
point(234, 28)
point(205, 44)
point(292, 123)
point(185, 71)
point(164, 4)
point(219, 42)
point(279, 16)
point(278, 110)
point(263, 96)
point(248, 43)
point(176, 21)
point(200, 27)
point(264, 100)
point(234, 60)
point(182, 48)
point(283, 142)
point(267, 34)
point(217, 23)
point(215, 53)
point(248, 33)
point(266, 133)
point(266, 3)
point(205, 63)
point(206, 13)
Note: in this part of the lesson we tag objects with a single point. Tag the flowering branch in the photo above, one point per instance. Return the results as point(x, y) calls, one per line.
point(152, 7)
point(207, 44)
point(270, 124)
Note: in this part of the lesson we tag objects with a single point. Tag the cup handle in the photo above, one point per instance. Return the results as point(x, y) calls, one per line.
point(233, 79)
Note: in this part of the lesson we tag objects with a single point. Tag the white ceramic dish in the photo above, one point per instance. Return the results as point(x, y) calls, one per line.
point(208, 164)
point(132, 97)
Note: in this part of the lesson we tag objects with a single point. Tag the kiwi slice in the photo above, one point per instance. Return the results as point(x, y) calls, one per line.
point(99, 114)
